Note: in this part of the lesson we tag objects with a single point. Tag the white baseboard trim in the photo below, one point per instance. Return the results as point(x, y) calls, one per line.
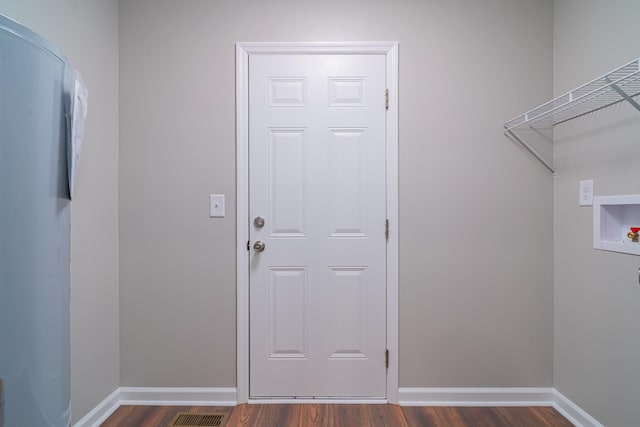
point(475, 396)
point(220, 396)
point(159, 396)
point(178, 396)
point(573, 412)
point(101, 412)
point(498, 397)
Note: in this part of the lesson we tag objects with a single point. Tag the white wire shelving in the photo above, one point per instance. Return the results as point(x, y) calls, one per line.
point(621, 84)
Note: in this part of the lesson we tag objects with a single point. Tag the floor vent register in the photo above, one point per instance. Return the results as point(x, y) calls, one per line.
point(186, 419)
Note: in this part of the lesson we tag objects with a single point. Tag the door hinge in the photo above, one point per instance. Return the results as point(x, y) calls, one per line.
point(386, 99)
point(386, 228)
point(386, 358)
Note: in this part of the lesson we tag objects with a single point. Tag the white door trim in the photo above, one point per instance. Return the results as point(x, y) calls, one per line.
point(243, 52)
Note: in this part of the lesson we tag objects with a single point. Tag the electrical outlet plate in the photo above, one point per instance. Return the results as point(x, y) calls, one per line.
point(216, 205)
point(586, 193)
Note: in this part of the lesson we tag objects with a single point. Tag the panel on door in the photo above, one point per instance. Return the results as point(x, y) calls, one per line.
point(317, 179)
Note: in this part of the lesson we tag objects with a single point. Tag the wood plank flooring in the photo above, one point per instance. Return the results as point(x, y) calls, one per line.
point(328, 415)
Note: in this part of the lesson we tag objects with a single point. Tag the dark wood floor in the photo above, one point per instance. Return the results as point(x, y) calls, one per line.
point(327, 415)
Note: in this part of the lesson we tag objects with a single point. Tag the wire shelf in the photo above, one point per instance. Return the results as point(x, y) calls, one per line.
point(622, 84)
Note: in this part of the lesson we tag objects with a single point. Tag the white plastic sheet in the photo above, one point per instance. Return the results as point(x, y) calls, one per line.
point(76, 116)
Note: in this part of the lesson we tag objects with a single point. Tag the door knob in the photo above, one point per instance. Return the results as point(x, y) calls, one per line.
point(258, 222)
point(258, 246)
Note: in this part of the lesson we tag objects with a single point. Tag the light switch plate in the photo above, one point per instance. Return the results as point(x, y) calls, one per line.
point(216, 205)
point(586, 193)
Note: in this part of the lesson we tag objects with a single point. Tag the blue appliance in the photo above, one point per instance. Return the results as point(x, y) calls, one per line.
point(34, 231)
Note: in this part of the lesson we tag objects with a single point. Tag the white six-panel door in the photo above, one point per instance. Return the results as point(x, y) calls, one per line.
point(317, 315)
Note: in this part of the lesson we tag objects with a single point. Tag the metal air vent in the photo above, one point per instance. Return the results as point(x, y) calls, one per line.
point(189, 419)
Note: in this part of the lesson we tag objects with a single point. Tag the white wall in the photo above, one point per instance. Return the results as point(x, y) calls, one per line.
point(475, 209)
point(87, 33)
point(597, 296)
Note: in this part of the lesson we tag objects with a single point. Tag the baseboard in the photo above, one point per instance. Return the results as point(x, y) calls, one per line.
point(498, 397)
point(216, 396)
point(159, 396)
point(573, 412)
point(475, 396)
point(174, 396)
point(101, 412)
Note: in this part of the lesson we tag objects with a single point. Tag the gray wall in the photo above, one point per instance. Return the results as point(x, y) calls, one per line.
point(597, 296)
point(87, 33)
point(477, 304)
point(475, 209)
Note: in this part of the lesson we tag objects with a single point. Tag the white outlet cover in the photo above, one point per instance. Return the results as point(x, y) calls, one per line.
point(586, 193)
point(216, 205)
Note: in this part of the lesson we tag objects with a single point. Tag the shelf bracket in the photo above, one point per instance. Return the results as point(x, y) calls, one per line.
point(622, 93)
point(531, 150)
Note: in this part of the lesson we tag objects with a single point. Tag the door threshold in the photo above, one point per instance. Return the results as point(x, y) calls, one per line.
point(318, 400)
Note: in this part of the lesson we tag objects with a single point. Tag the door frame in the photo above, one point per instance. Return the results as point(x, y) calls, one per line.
point(243, 52)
